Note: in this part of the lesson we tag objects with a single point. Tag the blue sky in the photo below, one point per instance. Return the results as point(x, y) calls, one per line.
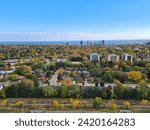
point(31, 20)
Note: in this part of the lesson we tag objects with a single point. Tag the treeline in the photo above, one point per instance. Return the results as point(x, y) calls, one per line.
point(26, 89)
point(138, 93)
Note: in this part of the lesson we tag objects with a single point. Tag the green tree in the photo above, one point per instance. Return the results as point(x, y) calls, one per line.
point(119, 90)
point(109, 91)
point(107, 77)
point(98, 102)
point(2, 94)
point(144, 102)
point(13, 77)
point(95, 70)
point(64, 91)
point(49, 92)
point(48, 74)
point(61, 106)
point(74, 91)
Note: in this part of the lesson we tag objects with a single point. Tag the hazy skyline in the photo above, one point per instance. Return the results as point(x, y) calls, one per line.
point(44, 20)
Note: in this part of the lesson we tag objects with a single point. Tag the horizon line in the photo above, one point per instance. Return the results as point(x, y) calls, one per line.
point(73, 40)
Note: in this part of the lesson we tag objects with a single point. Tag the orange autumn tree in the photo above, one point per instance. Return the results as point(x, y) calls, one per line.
point(67, 82)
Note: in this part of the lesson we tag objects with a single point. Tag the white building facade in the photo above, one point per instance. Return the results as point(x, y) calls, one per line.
point(127, 57)
point(113, 58)
point(95, 57)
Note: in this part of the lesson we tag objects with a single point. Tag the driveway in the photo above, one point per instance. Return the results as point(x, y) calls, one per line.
point(53, 81)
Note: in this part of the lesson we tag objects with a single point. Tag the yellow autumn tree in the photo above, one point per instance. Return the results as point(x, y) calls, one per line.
point(56, 104)
point(142, 81)
point(118, 83)
point(1, 56)
point(135, 75)
point(4, 103)
point(144, 102)
point(61, 71)
point(75, 103)
point(34, 103)
point(27, 82)
point(22, 70)
point(116, 67)
point(148, 66)
point(113, 105)
point(19, 104)
point(74, 74)
point(6, 68)
point(86, 61)
point(13, 77)
point(126, 105)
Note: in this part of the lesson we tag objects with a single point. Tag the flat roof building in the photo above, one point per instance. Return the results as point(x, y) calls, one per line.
point(113, 57)
point(127, 57)
point(94, 57)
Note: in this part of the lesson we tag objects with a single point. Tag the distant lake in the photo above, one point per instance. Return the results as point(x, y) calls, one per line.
point(107, 42)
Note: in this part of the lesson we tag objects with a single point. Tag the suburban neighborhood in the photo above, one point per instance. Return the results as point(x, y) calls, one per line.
point(76, 72)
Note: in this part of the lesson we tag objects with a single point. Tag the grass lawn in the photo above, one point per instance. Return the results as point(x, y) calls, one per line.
point(142, 110)
point(2, 110)
point(51, 63)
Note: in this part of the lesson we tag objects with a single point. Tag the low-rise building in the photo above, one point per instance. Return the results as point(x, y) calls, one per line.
point(127, 57)
point(94, 57)
point(113, 57)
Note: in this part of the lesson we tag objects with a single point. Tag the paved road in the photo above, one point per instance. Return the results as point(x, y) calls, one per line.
point(53, 81)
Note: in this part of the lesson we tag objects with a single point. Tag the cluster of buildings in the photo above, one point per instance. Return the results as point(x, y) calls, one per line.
point(11, 64)
point(111, 57)
point(6, 74)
